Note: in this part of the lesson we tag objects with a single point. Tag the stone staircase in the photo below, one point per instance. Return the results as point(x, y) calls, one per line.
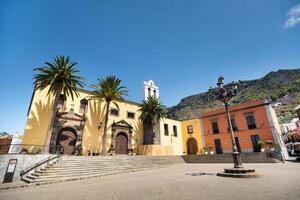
point(81, 167)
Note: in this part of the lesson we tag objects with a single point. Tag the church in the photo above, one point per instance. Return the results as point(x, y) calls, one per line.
point(79, 125)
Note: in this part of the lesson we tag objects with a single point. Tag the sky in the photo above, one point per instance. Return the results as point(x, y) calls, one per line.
point(182, 45)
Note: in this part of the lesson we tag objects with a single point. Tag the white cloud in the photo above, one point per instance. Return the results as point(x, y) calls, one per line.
point(294, 16)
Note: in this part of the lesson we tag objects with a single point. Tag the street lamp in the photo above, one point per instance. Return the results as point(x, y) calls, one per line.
point(224, 95)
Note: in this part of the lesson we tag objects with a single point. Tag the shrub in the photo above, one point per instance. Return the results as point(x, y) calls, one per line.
point(260, 143)
point(269, 142)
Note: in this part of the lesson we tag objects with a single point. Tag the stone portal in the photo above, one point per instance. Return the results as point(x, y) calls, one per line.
point(66, 140)
point(121, 138)
point(68, 128)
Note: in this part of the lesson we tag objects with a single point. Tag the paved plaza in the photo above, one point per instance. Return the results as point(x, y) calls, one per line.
point(185, 181)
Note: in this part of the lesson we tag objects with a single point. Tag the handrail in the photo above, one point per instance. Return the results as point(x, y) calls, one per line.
point(34, 166)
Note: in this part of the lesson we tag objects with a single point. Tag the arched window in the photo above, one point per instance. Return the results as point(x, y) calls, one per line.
point(154, 93)
point(149, 92)
point(61, 101)
point(83, 106)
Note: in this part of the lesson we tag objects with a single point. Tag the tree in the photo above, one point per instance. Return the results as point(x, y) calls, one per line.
point(151, 110)
point(60, 77)
point(108, 90)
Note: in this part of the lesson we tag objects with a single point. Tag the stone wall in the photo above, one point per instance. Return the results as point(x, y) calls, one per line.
point(227, 158)
point(23, 161)
point(155, 150)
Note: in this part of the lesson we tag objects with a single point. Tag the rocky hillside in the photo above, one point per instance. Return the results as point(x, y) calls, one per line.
point(282, 86)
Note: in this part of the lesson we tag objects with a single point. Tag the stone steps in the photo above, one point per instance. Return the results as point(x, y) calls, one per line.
point(62, 169)
point(79, 170)
point(81, 167)
point(72, 178)
point(71, 174)
point(119, 161)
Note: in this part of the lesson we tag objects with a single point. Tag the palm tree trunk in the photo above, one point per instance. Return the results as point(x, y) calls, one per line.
point(52, 120)
point(103, 151)
point(150, 132)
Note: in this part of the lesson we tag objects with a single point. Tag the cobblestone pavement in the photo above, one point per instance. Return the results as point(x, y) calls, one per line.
point(186, 181)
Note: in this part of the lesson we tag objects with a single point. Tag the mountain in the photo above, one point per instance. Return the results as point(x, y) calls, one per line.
point(282, 86)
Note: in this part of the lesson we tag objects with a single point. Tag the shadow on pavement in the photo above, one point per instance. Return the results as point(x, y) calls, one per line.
point(201, 174)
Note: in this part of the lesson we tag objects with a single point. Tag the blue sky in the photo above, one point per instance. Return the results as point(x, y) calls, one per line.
point(182, 45)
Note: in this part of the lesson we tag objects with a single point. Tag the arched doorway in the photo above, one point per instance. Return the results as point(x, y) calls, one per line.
point(121, 144)
point(66, 140)
point(192, 146)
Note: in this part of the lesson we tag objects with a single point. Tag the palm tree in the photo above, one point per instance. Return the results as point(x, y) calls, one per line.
point(108, 90)
point(151, 110)
point(60, 77)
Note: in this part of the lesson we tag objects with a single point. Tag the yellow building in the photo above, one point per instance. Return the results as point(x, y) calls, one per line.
point(79, 127)
point(79, 124)
point(192, 136)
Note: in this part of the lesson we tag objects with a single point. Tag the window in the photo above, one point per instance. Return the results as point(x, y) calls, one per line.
point(154, 93)
point(218, 146)
point(175, 131)
point(251, 121)
point(149, 92)
point(130, 115)
point(190, 129)
point(83, 106)
point(166, 129)
point(61, 101)
point(114, 111)
point(233, 123)
point(215, 127)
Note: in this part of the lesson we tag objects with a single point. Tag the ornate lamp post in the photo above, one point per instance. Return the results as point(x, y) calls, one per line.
point(224, 95)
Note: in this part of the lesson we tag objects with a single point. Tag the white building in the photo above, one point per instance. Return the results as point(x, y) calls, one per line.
point(15, 144)
point(167, 132)
point(286, 127)
point(150, 89)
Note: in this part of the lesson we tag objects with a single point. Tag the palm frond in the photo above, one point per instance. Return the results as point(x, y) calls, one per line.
point(152, 108)
point(108, 89)
point(59, 75)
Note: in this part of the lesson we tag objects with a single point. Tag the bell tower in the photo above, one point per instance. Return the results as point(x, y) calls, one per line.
point(150, 89)
point(153, 136)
